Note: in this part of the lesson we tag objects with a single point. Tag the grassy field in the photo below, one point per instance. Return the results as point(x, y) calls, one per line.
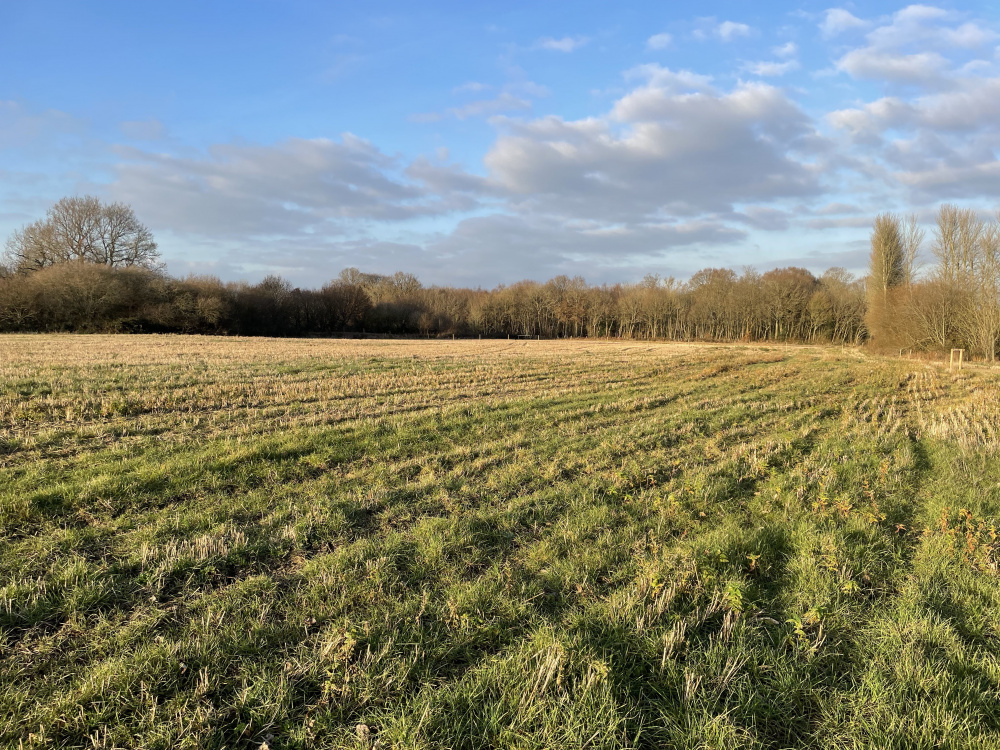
point(309, 544)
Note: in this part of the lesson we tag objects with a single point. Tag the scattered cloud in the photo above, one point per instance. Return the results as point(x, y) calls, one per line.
point(970, 36)
point(296, 187)
point(837, 21)
point(660, 78)
point(727, 31)
point(926, 27)
point(656, 175)
point(913, 47)
point(528, 88)
point(661, 152)
point(659, 41)
point(789, 49)
point(767, 69)
point(678, 169)
point(926, 68)
point(511, 99)
point(505, 102)
point(474, 87)
point(935, 134)
point(565, 44)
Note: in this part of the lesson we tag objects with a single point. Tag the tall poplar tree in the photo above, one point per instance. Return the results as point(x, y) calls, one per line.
point(887, 271)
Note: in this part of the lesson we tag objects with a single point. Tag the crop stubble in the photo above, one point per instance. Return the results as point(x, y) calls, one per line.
point(214, 542)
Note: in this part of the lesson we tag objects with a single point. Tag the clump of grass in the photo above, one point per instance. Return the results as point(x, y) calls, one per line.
point(232, 543)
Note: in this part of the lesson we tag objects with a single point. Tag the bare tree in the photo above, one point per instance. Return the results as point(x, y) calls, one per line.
point(887, 267)
point(987, 310)
point(978, 321)
point(913, 238)
point(33, 247)
point(887, 270)
point(83, 229)
point(956, 238)
point(957, 275)
point(846, 298)
point(122, 239)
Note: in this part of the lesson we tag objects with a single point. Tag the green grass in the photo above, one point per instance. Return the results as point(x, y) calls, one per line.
point(226, 543)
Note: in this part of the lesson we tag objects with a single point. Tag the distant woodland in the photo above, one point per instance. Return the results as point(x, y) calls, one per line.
point(93, 267)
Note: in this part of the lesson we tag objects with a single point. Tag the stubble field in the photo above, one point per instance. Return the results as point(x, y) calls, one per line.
point(232, 543)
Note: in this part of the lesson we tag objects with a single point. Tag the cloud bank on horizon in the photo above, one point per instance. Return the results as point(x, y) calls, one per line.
point(477, 147)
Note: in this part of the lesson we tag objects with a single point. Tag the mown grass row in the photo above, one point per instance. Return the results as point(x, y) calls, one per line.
point(355, 544)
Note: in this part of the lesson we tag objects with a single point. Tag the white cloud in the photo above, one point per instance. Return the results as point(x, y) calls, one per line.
point(837, 21)
point(771, 68)
point(659, 41)
point(969, 36)
point(505, 102)
point(658, 173)
point(867, 122)
point(918, 12)
point(974, 105)
point(528, 88)
point(471, 87)
point(938, 132)
point(727, 31)
point(665, 79)
point(679, 154)
point(789, 49)
point(926, 68)
point(296, 187)
point(929, 26)
point(917, 47)
point(565, 44)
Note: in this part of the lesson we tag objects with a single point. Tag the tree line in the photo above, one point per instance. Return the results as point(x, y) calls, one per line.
point(90, 266)
point(787, 304)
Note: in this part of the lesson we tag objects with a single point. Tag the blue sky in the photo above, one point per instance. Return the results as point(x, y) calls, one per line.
point(484, 143)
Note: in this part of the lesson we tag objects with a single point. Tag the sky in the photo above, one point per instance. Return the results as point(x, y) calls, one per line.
point(478, 144)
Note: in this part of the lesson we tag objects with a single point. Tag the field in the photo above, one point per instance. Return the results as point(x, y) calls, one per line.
point(231, 543)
